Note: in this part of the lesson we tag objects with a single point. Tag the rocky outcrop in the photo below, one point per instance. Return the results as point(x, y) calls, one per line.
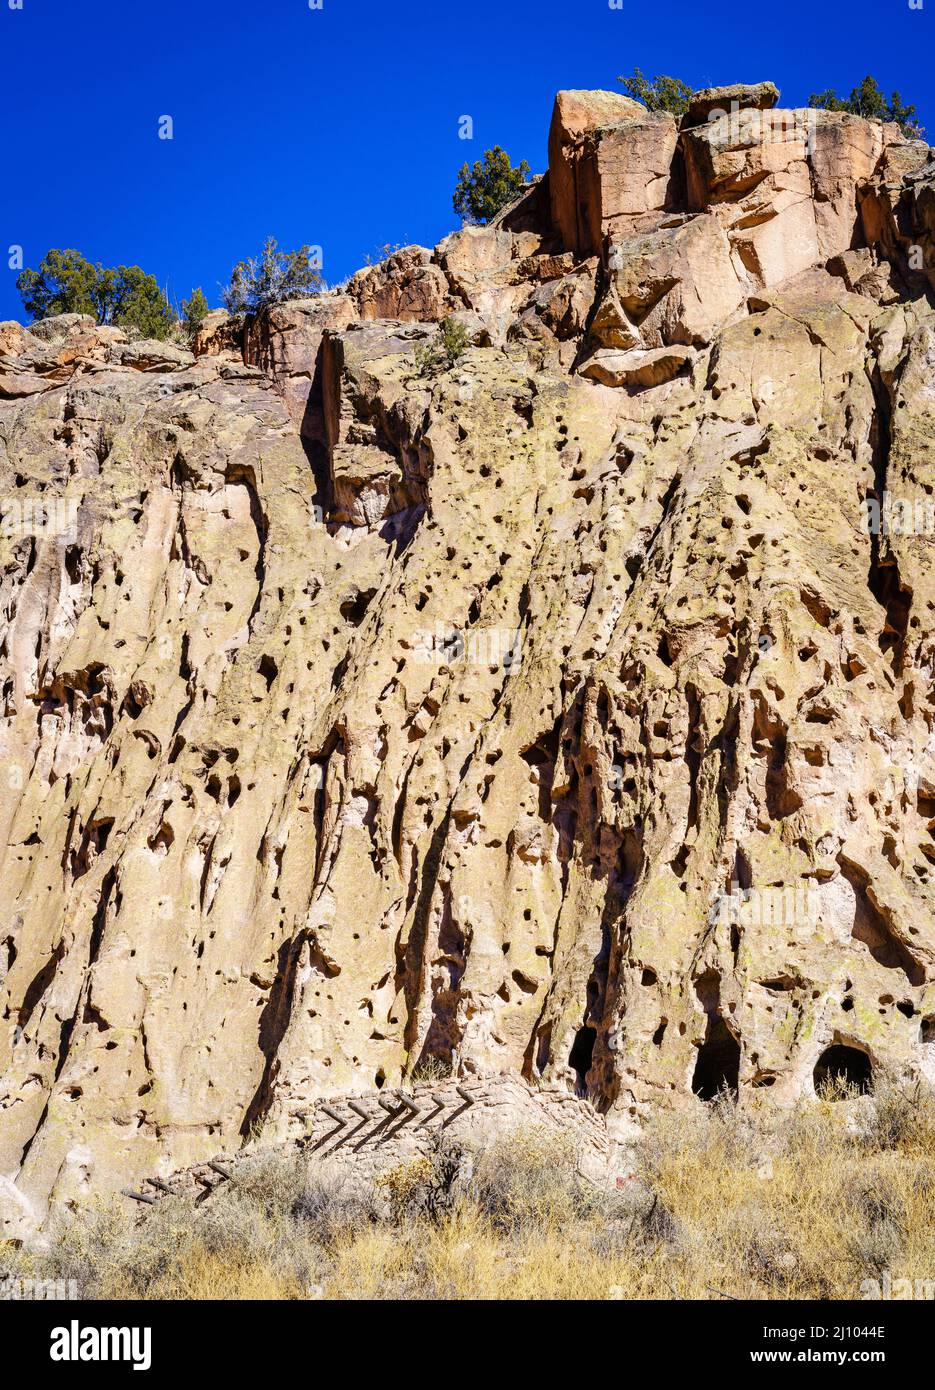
point(897, 207)
point(408, 285)
point(784, 184)
point(547, 710)
point(740, 96)
point(610, 164)
point(285, 343)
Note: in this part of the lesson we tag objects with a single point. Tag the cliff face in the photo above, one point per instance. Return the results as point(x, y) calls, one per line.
point(554, 712)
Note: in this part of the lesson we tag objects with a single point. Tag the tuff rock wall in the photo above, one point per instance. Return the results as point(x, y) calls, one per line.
point(359, 715)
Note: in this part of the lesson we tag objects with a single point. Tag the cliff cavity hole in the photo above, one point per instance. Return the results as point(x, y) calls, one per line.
point(840, 1069)
point(580, 1057)
point(717, 1067)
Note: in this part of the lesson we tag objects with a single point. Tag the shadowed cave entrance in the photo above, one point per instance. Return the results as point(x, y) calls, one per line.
point(717, 1066)
point(580, 1057)
point(840, 1066)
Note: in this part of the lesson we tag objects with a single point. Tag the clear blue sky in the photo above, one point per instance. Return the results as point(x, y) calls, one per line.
point(339, 126)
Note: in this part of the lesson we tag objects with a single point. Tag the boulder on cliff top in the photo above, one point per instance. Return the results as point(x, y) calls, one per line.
point(739, 96)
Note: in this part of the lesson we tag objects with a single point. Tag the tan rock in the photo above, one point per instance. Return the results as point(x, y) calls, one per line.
point(552, 709)
point(149, 354)
point(560, 307)
point(784, 184)
point(843, 154)
point(482, 266)
point(676, 285)
point(285, 343)
point(63, 326)
point(609, 165)
point(740, 96)
point(13, 338)
point(638, 367)
point(406, 286)
point(217, 333)
point(897, 209)
point(575, 114)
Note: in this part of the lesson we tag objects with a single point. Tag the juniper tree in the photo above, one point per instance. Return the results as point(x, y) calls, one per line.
point(67, 283)
point(869, 100)
point(271, 278)
point(658, 94)
point(194, 312)
point(490, 185)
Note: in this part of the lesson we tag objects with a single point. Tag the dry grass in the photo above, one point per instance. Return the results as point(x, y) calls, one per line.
point(803, 1206)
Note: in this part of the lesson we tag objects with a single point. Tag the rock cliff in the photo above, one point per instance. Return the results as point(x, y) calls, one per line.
point(551, 710)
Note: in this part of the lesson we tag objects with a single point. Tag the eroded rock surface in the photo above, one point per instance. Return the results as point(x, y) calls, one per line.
point(551, 712)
